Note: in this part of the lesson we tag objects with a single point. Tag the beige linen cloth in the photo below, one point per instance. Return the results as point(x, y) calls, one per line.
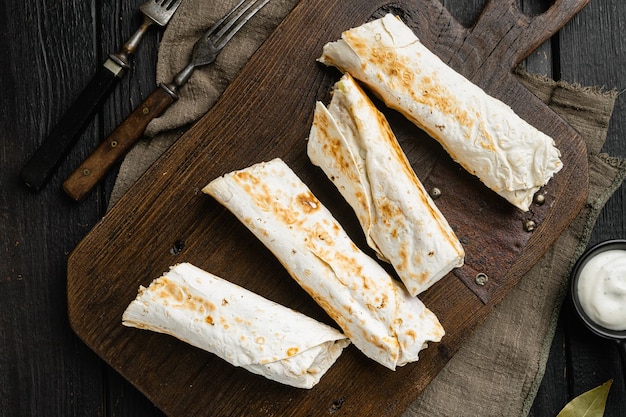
point(498, 370)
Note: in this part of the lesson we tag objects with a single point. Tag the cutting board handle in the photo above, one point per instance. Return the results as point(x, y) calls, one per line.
point(509, 35)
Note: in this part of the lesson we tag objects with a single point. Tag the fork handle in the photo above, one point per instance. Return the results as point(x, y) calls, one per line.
point(120, 141)
point(64, 135)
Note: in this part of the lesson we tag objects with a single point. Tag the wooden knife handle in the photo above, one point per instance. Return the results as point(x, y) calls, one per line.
point(64, 135)
point(119, 142)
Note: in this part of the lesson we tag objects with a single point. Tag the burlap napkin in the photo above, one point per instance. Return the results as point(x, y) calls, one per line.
point(498, 371)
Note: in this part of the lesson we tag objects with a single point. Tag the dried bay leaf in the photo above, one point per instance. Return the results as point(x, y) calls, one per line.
point(588, 404)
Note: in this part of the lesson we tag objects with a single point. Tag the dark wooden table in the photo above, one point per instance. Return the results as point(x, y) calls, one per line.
point(50, 49)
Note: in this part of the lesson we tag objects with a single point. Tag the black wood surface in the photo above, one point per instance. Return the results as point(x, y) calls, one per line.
point(50, 50)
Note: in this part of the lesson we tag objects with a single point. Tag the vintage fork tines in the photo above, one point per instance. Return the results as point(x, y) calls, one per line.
point(206, 49)
point(160, 11)
point(225, 28)
point(155, 12)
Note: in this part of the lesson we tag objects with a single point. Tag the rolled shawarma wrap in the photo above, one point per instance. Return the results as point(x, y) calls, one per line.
point(237, 325)
point(480, 132)
point(375, 311)
point(354, 145)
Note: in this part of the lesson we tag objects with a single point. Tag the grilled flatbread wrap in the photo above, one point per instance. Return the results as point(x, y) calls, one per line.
point(374, 311)
point(480, 132)
point(353, 144)
point(237, 325)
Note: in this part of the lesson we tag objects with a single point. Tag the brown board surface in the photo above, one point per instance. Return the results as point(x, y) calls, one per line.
point(265, 113)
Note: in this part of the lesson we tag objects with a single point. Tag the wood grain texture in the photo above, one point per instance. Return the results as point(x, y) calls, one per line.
point(50, 51)
point(118, 20)
point(109, 265)
point(42, 364)
point(589, 55)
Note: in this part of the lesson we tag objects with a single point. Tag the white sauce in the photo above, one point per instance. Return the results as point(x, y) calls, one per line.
point(602, 289)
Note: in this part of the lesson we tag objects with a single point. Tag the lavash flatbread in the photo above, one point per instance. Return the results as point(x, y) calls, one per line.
point(237, 325)
point(353, 144)
point(374, 311)
point(481, 133)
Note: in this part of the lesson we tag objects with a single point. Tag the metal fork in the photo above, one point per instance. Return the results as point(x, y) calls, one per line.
point(57, 145)
point(120, 141)
point(154, 12)
point(208, 47)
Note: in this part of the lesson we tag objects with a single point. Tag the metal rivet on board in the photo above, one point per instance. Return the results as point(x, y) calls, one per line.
point(86, 172)
point(435, 193)
point(540, 199)
point(178, 247)
point(529, 225)
point(481, 279)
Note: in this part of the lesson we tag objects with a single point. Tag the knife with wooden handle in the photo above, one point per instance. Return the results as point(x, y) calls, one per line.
point(119, 142)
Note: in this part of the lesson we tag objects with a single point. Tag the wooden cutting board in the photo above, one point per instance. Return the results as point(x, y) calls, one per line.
point(265, 113)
